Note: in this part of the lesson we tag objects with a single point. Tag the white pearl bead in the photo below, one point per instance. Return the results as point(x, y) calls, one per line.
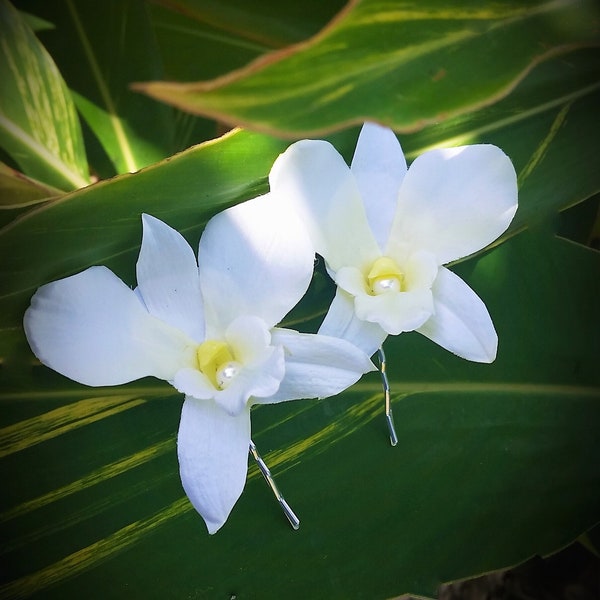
point(386, 284)
point(227, 373)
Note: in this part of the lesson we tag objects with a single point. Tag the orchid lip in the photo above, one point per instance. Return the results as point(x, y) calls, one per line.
point(216, 360)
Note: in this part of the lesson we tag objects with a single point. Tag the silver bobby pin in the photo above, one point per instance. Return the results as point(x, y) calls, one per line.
point(389, 417)
point(289, 513)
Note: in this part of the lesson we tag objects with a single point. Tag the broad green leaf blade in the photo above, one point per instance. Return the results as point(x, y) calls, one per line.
point(223, 36)
point(35, 22)
point(114, 43)
point(404, 65)
point(19, 191)
point(19, 194)
point(502, 457)
point(232, 33)
point(38, 123)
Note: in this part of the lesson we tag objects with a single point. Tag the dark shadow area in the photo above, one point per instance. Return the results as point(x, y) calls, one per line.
point(572, 574)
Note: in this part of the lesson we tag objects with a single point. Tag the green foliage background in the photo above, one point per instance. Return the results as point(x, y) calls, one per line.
point(495, 463)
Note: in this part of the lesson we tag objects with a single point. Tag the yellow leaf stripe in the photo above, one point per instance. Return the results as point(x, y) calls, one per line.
point(355, 417)
point(98, 476)
point(94, 554)
point(455, 13)
point(62, 420)
point(541, 150)
point(86, 558)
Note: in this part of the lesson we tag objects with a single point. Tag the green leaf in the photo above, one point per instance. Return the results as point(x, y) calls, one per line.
point(35, 23)
point(232, 33)
point(38, 123)
point(500, 458)
point(19, 191)
point(126, 151)
point(404, 65)
point(115, 44)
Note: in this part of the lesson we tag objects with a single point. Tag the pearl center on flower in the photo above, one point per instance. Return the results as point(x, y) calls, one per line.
point(227, 373)
point(217, 362)
point(385, 276)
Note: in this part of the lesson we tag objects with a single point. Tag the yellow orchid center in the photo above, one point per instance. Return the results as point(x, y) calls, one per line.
point(385, 276)
point(216, 361)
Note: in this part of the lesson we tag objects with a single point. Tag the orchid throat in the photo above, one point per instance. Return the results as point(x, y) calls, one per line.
point(217, 361)
point(385, 276)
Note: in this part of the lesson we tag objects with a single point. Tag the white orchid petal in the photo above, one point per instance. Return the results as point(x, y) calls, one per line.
point(212, 447)
point(250, 339)
point(255, 259)
point(192, 382)
point(351, 280)
point(93, 329)
point(167, 275)
point(312, 178)
point(379, 167)
point(420, 270)
point(395, 312)
point(316, 366)
point(461, 322)
point(341, 321)
point(456, 201)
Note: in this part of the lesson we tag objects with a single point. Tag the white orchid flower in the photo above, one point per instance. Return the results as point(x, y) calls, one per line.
point(207, 329)
point(386, 231)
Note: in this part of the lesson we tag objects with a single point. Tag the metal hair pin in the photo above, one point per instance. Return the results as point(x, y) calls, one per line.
point(389, 417)
point(287, 511)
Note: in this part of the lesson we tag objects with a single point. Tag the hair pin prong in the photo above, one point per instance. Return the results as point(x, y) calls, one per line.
point(287, 511)
point(389, 416)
